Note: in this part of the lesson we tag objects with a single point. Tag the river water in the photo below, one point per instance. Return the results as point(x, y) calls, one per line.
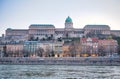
point(58, 72)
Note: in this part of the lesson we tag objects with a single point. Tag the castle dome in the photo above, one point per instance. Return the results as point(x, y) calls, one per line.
point(9, 28)
point(68, 23)
point(68, 19)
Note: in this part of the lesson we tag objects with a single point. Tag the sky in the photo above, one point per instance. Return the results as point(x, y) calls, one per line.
point(19, 14)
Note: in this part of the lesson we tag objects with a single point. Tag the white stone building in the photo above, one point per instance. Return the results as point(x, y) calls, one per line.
point(46, 30)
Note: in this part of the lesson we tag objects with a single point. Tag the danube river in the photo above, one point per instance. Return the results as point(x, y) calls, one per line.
point(59, 72)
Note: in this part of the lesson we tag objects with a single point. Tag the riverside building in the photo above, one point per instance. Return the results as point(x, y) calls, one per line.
point(98, 47)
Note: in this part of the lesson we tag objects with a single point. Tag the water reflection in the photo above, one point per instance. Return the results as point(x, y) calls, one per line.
point(58, 72)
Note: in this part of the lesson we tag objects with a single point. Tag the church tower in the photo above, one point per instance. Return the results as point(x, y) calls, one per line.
point(68, 23)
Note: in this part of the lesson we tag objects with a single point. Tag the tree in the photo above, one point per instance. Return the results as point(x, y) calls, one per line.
point(31, 38)
point(48, 52)
point(119, 50)
point(39, 51)
point(59, 39)
point(25, 53)
point(17, 53)
point(9, 53)
point(51, 36)
point(101, 51)
point(109, 37)
point(118, 40)
point(74, 49)
point(52, 53)
point(43, 39)
point(37, 38)
point(5, 51)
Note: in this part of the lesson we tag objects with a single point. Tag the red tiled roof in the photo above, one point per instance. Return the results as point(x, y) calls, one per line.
point(85, 39)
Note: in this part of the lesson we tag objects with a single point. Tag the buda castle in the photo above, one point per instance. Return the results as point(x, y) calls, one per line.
point(29, 42)
point(42, 31)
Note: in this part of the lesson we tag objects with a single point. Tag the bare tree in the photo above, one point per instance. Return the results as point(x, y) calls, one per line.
point(75, 49)
point(5, 51)
point(47, 52)
point(25, 53)
point(16, 53)
point(118, 50)
point(10, 53)
point(72, 49)
point(101, 51)
point(39, 51)
point(52, 53)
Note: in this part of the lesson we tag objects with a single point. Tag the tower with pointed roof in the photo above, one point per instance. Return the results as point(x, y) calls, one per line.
point(68, 23)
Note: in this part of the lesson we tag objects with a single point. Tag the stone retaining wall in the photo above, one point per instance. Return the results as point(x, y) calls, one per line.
point(62, 61)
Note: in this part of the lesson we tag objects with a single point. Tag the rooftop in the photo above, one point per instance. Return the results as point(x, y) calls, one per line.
point(68, 19)
point(9, 28)
point(91, 39)
point(17, 29)
point(96, 26)
point(42, 25)
point(115, 30)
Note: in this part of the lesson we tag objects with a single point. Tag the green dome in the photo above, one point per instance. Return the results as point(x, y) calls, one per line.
point(68, 19)
point(9, 28)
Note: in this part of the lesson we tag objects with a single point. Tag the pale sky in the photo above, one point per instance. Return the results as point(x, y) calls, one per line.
point(19, 14)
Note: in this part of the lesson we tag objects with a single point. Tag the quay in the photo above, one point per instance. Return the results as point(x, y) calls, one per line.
point(100, 61)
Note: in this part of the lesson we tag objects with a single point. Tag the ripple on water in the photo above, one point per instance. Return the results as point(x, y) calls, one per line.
point(38, 74)
point(58, 72)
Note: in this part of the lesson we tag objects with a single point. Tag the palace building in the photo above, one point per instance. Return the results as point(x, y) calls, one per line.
point(97, 29)
point(41, 30)
point(46, 30)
